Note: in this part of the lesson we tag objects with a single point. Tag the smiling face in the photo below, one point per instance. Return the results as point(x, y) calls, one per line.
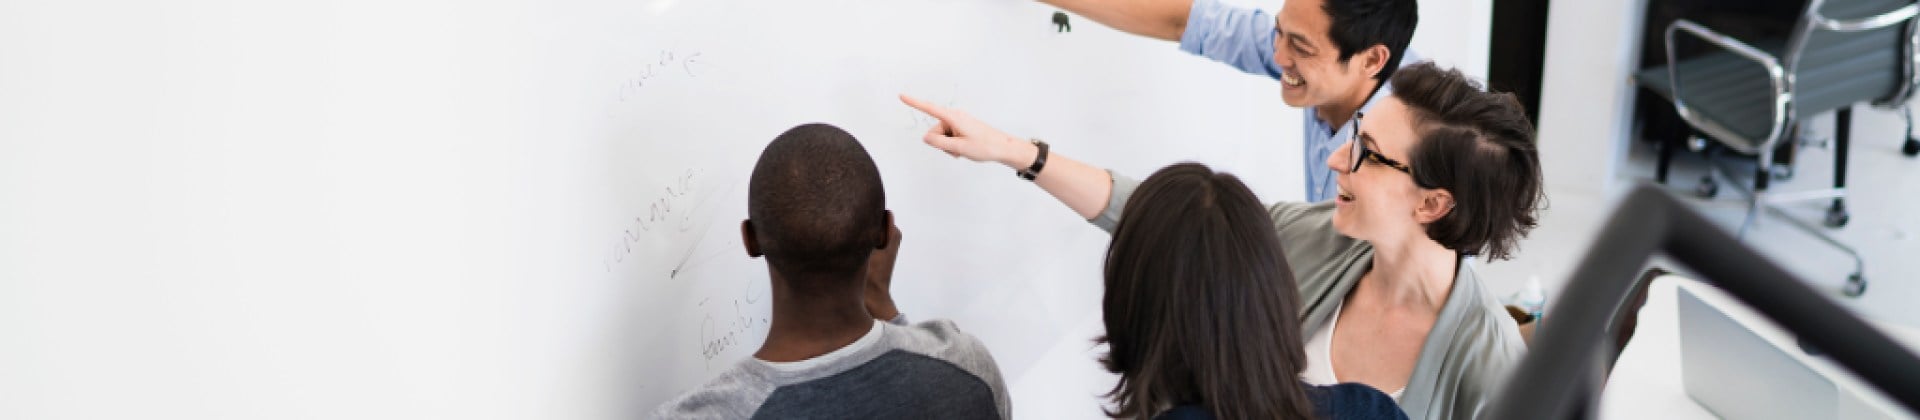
point(1467, 175)
point(1312, 72)
point(1377, 201)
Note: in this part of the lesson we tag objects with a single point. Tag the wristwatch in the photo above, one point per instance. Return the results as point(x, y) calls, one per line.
point(1039, 162)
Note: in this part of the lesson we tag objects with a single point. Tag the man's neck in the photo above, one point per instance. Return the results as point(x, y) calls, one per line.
point(1337, 113)
point(808, 326)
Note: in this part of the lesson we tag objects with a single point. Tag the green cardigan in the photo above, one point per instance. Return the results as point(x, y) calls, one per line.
point(1466, 356)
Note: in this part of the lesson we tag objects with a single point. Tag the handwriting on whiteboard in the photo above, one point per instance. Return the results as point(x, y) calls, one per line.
point(669, 63)
point(718, 336)
point(668, 205)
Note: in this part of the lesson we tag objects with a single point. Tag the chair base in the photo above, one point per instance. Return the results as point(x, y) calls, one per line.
point(1769, 202)
point(1837, 215)
point(1855, 287)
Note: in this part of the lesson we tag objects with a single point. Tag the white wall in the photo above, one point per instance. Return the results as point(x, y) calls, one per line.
point(1586, 101)
point(1455, 33)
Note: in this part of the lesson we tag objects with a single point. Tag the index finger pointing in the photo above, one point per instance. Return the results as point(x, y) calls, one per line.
point(935, 110)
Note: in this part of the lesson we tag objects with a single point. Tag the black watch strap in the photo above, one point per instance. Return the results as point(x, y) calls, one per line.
point(1039, 162)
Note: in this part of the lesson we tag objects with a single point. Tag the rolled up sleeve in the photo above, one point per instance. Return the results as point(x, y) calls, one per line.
point(1237, 36)
point(1109, 218)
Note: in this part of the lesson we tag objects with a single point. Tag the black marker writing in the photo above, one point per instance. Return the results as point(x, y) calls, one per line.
point(716, 340)
point(669, 203)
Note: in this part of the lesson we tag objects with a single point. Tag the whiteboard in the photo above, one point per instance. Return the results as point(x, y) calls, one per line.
point(992, 252)
point(520, 209)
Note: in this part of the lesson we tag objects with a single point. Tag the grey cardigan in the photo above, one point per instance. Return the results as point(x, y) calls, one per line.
point(1466, 356)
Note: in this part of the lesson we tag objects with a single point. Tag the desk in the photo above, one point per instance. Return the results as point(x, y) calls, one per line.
point(1646, 381)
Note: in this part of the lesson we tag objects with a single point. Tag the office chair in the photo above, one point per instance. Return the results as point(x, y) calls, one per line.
point(1751, 96)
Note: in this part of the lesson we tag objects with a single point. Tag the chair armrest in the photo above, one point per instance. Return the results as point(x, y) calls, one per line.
point(1776, 75)
point(1867, 23)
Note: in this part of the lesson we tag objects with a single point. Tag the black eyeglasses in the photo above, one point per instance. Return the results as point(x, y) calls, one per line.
point(1361, 153)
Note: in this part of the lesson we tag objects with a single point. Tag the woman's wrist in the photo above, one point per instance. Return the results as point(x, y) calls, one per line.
point(1020, 154)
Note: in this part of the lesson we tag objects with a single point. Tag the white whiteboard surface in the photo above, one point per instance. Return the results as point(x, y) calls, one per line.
point(458, 209)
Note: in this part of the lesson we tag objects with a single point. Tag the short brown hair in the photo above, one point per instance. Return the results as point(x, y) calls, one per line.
point(1479, 146)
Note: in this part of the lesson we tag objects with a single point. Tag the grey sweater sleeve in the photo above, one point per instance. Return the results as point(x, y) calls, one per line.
point(735, 394)
point(1109, 218)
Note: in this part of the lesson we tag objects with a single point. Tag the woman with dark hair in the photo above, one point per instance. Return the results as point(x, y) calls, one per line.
point(1438, 171)
point(1200, 308)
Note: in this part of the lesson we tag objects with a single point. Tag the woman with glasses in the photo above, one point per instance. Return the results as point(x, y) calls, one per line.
point(1438, 171)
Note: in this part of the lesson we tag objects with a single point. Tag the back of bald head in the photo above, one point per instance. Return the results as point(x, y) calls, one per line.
point(817, 207)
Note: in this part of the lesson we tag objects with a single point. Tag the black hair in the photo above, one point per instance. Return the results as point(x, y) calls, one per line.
point(1356, 25)
point(817, 206)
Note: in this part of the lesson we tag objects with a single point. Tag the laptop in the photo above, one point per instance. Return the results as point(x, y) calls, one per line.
point(1739, 373)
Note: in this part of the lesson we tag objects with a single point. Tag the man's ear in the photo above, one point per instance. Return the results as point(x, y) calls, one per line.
point(886, 229)
point(748, 238)
point(1373, 60)
point(1434, 204)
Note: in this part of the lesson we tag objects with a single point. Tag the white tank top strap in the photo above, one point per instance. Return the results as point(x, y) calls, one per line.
point(1320, 356)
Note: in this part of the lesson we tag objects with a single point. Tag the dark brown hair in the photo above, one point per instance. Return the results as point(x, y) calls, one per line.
point(1479, 146)
point(1200, 305)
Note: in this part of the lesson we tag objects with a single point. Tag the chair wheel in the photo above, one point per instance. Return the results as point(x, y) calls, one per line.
point(1837, 216)
point(1782, 173)
point(1707, 188)
point(1696, 144)
point(1911, 147)
point(1856, 286)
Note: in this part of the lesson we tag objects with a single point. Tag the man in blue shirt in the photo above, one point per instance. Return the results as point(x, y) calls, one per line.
point(1331, 57)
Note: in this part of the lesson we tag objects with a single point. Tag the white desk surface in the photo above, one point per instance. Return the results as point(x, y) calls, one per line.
point(1646, 380)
